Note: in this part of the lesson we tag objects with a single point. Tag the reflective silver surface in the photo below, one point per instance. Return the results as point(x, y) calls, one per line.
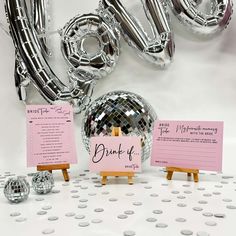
point(157, 49)
point(120, 109)
point(214, 21)
point(39, 9)
point(16, 189)
point(43, 182)
point(34, 66)
point(90, 45)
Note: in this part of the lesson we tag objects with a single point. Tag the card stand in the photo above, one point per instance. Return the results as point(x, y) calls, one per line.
point(50, 168)
point(171, 170)
point(116, 131)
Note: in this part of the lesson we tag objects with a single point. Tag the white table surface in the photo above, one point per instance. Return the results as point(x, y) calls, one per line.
point(199, 85)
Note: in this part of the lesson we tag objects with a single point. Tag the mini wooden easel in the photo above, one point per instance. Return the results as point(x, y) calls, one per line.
point(171, 170)
point(116, 131)
point(50, 168)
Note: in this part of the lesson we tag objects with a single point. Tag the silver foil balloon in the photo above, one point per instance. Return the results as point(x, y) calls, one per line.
point(34, 64)
point(40, 19)
point(120, 109)
point(16, 189)
point(158, 49)
point(42, 182)
point(203, 23)
point(81, 56)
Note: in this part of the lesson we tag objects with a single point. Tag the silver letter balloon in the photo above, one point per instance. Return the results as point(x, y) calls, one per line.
point(43, 182)
point(188, 13)
point(120, 109)
point(31, 65)
point(78, 37)
point(157, 49)
point(16, 189)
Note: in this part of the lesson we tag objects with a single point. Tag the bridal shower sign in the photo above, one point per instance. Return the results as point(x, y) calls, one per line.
point(188, 144)
point(115, 154)
point(50, 135)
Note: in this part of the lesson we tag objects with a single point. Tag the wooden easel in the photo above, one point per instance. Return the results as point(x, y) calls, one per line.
point(116, 131)
point(171, 170)
point(50, 168)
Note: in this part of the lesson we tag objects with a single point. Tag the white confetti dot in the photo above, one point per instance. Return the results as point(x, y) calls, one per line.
point(15, 214)
point(84, 224)
point(79, 217)
point(186, 232)
point(211, 223)
point(21, 219)
point(161, 225)
point(129, 233)
point(48, 231)
point(53, 218)
point(96, 221)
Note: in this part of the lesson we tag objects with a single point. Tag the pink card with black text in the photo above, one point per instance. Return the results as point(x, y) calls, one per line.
point(188, 144)
point(50, 135)
point(121, 154)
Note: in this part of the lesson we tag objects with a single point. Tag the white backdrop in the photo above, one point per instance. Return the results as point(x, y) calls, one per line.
point(199, 85)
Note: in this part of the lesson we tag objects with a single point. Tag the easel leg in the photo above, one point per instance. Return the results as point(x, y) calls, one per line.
point(104, 180)
point(130, 180)
point(65, 174)
point(195, 177)
point(169, 175)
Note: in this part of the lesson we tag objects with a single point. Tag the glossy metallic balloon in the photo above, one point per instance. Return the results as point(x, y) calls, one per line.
point(16, 189)
point(99, 60)
point(120, 109)
point(158, 48)
point(40, 22)
point(203, 23)
point(34, 65)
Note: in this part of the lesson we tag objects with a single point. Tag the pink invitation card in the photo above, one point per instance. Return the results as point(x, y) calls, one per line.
point(50, 135)
point(121, 154)
point(188, 144)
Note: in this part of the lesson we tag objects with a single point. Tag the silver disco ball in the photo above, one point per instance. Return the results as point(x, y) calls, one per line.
point(42, 182)
point(120, 109)
point(16, 189)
